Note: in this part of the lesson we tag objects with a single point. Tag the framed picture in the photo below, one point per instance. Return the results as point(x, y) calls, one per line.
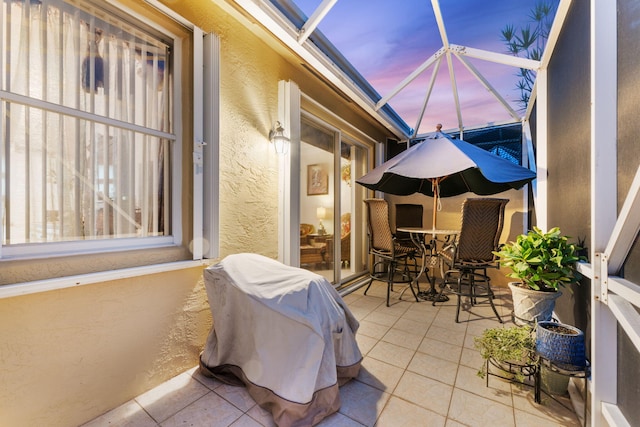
point(317, 180)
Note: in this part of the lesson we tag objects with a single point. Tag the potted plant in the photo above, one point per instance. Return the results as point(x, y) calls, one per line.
point(543, 263)
point(512, 350)
point(563, 347)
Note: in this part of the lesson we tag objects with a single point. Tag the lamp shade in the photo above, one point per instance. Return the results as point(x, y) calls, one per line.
point(321, 213)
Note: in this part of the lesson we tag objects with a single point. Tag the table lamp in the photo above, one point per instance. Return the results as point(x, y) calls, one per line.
point(321, 213)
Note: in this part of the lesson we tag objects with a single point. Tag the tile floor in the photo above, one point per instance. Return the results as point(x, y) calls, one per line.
point(419, 369)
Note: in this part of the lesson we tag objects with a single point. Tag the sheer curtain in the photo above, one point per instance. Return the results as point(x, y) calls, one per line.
point(86, 123)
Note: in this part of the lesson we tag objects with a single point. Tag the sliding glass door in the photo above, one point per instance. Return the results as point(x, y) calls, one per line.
point(331, 242)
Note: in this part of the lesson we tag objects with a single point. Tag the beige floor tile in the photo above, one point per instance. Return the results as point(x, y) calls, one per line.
point(453, 423)
point(338, 420)
point(498, 390)
point(373, 330)
point(549, 410)
point(424, 392)
point(380, 318)
point(361, 402)
point(469, 342)
point(402, 338)
point(380, 375)
point(262, 416)
point(399, 308)
point(476, 411)
point(412, 326)
point(129, 414)
point(211, 410)
point(392, 354)
point(399, 412)
point(171, 396)
point(237, 396)
point(471, 358)
point(440, 349)
point(446, 335)
point(434, 367)
point(426, 316)
point(477, 326)
point(450, 323)
point(365, 343)
point(525, 419)
point(368, 302)
point(360, 312)
point(210, 383)
point(246, 421)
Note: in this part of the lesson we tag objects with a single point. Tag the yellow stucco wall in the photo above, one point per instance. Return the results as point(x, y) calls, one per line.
point(72, 354)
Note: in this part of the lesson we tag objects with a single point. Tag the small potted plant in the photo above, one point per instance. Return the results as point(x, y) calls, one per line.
point(512, 350)
point(543, 263)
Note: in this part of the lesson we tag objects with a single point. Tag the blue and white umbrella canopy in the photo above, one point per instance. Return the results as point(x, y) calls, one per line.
point(441, 166)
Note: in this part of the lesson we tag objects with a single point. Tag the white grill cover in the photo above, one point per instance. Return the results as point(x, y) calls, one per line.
point(283, 332)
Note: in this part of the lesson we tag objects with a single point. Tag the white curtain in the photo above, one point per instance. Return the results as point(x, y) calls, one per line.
point(69, 175)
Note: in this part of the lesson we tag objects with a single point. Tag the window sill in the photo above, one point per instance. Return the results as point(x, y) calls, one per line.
point(38, 286)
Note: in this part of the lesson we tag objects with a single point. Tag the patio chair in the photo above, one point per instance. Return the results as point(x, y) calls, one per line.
point(393, 265)
point(465, 261)
point(407, 215)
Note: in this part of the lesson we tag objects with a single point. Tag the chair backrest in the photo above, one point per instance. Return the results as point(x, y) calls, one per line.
point(378, 229)
point(482, 222)
point(408, 215)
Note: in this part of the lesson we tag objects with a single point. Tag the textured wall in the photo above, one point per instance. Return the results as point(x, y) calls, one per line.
point(72, 354)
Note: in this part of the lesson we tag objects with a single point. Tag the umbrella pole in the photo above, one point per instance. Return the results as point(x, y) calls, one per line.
point(434, 184)
point(435, 207)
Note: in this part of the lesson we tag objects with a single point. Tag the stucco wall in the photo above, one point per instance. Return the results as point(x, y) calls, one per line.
point(72, 354)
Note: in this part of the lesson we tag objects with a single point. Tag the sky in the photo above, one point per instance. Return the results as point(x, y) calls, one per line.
point(386, 40)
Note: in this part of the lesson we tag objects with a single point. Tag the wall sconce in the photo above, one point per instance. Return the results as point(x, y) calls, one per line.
point(280, 142)
point(321, 213)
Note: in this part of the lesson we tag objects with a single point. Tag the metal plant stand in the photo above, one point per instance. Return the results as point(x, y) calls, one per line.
point(566, 370)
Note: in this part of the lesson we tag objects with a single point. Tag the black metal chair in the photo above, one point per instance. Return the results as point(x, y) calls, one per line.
point(393, 264)
point(465, 261)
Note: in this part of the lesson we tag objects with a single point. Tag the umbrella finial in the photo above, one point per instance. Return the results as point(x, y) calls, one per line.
point(439, 127)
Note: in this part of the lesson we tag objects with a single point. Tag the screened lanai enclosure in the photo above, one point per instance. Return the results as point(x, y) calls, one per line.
point(134, 151)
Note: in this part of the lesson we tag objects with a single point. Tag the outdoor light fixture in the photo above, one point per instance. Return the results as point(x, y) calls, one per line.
point(321, 213)
point(280, 142)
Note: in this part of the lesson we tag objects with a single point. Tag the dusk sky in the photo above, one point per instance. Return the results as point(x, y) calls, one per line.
point(386, 40)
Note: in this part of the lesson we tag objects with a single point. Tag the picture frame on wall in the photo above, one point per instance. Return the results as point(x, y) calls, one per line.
point(317, 180)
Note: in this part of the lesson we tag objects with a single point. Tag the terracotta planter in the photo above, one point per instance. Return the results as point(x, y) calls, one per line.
point(531, 306)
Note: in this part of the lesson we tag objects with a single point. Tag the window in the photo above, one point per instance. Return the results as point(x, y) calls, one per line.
point(86, 123)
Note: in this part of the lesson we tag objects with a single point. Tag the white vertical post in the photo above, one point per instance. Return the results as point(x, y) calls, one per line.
point(603, 199)
point(289, 175)
point(198, 145)
point(211, 150)
point(542, 163)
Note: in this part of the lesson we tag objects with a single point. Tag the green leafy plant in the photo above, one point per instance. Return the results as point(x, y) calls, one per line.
point(542, 261)
point(528, 42)
point(511, 349)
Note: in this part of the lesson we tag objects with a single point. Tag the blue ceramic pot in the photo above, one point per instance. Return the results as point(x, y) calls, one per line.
point(561, 344)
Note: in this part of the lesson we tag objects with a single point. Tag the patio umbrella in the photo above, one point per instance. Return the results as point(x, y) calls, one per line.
point(441, 166)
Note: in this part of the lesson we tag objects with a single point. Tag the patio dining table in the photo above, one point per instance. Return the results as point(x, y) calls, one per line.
point(427, 240)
